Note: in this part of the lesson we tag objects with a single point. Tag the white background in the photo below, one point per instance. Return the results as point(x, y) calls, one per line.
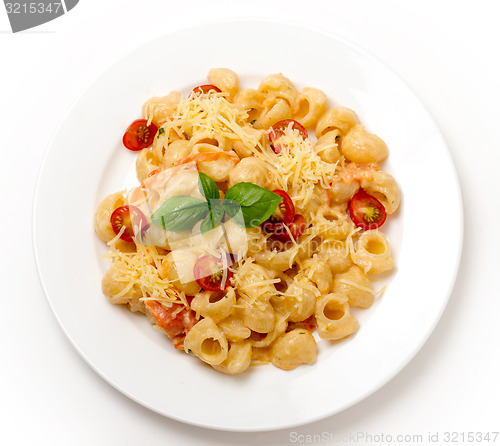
point(448, 53)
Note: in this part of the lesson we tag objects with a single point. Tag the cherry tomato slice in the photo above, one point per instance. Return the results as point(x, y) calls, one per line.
point(176, 321)
point(286, 206)
point(139, 135)
point(366, 211)
point(209, 272)
point(278, 130)
point(296, 228)
point(204, 89)
point(284, 214)
point(131, 217)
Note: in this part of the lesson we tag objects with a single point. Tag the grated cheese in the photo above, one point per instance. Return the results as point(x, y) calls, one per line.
point(223, 257)
point(245, 279)
point(298, 169)
point(117, 236)
point(312, 265)
point(362, 288)
point(142, 269)
point(358, 286)
point(212, 114)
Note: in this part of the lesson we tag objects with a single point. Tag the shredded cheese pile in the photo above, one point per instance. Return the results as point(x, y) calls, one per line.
point(142, 269)
point(303, 282)
point(214, 115)
point(298, 169)
point(246, 275)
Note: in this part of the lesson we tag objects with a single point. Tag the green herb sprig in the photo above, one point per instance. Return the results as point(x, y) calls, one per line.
point(248, 204)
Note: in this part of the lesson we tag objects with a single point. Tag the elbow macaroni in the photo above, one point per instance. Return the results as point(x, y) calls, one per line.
point(362, 147)
point(334, 317)
point(310, 104)
point(207, 341)
point(338, 118)
point(279, 292)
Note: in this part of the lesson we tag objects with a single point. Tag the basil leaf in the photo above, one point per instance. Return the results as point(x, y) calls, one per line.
point(234, 210)
point(207, 187)
point(180, 213)
point(206, 224)
point(212, 220)
point(255, 203)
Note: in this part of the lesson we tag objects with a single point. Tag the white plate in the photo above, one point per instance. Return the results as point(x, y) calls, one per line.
point(86, 162)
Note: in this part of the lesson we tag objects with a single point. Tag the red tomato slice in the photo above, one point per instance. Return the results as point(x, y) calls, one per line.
point(286, 206)
point(176, 321)
point(209, 272)
point(278, 130)
point(283, 215)
point(296, 228)
point(204, 89)
point(366, 211)
point(131, 217)
point(139, 135)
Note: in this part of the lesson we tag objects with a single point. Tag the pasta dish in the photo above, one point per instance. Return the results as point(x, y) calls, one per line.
point(254, 228)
